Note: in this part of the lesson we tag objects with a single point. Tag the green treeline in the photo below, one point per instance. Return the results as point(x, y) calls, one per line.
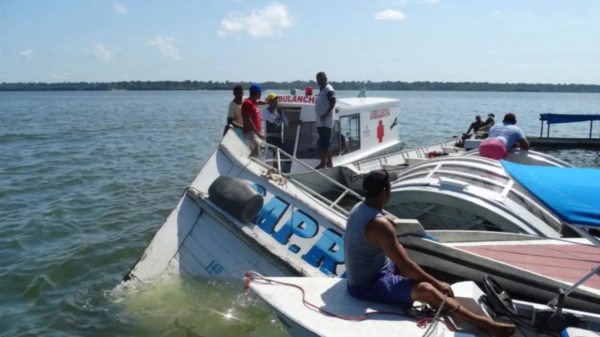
point(300, 85)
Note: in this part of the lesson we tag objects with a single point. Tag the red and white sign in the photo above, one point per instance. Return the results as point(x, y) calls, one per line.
point(298, 99)
point(380, 113)
point(380, 130)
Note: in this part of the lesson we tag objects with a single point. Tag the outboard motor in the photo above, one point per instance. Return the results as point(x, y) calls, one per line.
point(236, 197)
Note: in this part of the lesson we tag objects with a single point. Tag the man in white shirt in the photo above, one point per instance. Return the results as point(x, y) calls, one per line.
point(324, 119)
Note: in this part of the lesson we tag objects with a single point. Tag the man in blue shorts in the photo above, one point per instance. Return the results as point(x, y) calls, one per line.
point(370, 243)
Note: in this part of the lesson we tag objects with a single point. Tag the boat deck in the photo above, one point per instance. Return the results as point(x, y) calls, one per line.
point(565, 261)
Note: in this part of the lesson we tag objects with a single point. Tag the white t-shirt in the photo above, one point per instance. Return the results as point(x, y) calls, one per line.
point(235, 112)
point(322, 105)
point(275, 123)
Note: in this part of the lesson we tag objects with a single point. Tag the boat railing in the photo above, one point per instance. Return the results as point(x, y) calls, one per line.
point(393, 158)
point(279, 153)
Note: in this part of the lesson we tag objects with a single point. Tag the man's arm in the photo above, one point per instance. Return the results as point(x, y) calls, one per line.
point(246, 111)
point(523, 144)
point(381, 231)
point(230, 116)
point(470, 127)
point(230, 121)
point(332, 101)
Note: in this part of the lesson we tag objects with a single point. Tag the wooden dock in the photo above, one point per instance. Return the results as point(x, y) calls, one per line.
point(557, 142)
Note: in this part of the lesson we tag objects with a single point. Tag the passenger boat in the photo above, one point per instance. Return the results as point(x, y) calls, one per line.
point(239, 215)
point(310, 307)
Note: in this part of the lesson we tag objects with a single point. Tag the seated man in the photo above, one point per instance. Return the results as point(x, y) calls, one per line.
point(503, 137)
point(370, 243)
point(478, 123)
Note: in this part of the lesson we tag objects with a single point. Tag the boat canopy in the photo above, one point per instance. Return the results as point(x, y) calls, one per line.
point(571, 193)
point(550, 118)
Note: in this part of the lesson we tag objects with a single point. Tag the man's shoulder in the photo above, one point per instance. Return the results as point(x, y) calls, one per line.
point(329, 87)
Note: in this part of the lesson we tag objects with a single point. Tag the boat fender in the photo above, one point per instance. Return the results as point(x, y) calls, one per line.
point(236, 197)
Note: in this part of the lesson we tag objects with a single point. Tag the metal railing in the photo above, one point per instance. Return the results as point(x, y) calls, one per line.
point(330, 204)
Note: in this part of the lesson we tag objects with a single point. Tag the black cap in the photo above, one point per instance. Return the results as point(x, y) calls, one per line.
point(377, 180)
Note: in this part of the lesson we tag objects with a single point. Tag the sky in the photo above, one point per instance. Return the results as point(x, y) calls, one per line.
point(533, 41)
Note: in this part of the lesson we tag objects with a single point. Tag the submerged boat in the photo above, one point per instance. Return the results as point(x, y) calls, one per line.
point(311, 307)
point(239, 215)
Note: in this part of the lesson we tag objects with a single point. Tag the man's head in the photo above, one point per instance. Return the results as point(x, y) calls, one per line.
point(478, 118)
point(492, 115)
point(256, 91)
point(377, 185)
point(322, 79)
point(510, 118)
point(273, 101)
point(238, 92)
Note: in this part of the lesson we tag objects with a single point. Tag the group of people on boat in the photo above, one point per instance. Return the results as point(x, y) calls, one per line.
point(245, 120)
point(500, 138)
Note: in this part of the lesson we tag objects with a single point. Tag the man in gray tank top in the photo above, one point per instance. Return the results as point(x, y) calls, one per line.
point(378, 268)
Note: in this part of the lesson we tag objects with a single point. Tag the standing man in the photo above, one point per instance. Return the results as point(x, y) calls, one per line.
point(234, 116)
point(379, 269)
point(275, 121)
point(252, 127)
point(324, 119)
point(503, 137)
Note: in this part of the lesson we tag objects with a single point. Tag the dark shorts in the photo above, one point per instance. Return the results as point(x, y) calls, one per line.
point(324, 137)
point(275, 141)
point(387, 288)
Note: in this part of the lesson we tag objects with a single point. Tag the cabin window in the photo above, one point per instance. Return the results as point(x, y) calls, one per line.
point(350, 127)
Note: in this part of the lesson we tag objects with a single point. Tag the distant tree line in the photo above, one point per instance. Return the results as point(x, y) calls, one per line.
point(351, 85)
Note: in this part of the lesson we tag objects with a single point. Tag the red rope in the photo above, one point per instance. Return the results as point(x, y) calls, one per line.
point(421, 323)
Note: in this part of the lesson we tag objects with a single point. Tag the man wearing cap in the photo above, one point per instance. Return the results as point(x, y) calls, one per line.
point(379, 269)
point(252, 122)
point(324, 119)
point(503, 137)
point(275, 120)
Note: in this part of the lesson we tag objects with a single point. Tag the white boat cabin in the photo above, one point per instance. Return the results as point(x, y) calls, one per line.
point(363, 128)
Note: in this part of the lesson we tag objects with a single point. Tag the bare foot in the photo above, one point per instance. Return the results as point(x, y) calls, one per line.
point(500, 329)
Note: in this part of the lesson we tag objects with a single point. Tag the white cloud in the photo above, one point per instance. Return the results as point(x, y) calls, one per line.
point(167, 46)
point(497, 13)
point(26, 54)
point(120, 8)
point(99, 52)
point(404, 2)
point(59, 76)
point(390, 14)
point(268, 21)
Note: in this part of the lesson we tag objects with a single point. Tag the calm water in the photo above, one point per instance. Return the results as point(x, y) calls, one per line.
point(87, 178)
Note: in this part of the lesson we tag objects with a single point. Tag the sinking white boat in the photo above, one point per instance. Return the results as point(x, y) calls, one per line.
point(237, 216)
point(317, 312)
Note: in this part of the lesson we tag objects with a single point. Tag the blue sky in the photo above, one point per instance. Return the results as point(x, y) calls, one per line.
point(255, 40)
